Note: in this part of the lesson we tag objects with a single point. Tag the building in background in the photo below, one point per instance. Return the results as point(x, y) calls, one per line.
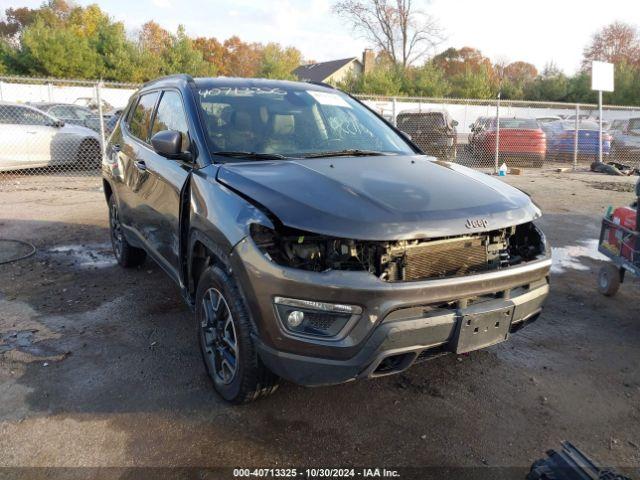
point(335, 71)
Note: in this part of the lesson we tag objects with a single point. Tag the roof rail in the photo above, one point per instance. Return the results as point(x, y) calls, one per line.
point(322, 84)
point(177, 76)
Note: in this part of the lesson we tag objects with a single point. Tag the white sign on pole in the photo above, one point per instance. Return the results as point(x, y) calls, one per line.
point(602, 76)
point(602, 81)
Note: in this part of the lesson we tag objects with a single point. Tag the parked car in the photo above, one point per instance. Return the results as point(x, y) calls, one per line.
point(561, 140)
point(581, 117)
point(475, 128)
point(547, 119)
point(313, 240)
point(31, 138)
point(434, 131)
point(625, 145)
point(618, 125)
point(112, 120)
point(522, 142)
point(70, 114)
point(92, 104)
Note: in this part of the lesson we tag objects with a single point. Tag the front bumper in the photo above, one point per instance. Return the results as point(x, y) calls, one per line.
point(406, 322)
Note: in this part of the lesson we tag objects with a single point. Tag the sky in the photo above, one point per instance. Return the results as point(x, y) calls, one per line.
point(537, 32)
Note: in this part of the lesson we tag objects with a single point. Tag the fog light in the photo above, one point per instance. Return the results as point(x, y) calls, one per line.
point(309, 317)
point(295, 318)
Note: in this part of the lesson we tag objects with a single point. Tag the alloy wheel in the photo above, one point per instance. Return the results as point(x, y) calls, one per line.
point(218, 336)
point(117, 238)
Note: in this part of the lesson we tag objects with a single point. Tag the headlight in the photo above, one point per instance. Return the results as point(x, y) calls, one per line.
point(309, 317)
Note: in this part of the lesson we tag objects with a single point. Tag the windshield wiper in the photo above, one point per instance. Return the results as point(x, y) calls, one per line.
point(351, 152)
point(251, 155)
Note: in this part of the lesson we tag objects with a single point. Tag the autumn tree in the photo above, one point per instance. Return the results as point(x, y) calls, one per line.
point(242, 59)
point(16, 20)
point(616, 43)
point(213, 51)
point(394, 27)
point(454, 61)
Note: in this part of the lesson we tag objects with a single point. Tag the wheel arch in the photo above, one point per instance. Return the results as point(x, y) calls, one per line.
point(203, 252)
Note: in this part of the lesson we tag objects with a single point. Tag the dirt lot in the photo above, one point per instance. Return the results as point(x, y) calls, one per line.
point(100, 367)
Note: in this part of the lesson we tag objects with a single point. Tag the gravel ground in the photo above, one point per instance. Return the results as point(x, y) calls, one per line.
point(99, 367)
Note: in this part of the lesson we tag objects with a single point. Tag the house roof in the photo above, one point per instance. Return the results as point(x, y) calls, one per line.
point(318, 72)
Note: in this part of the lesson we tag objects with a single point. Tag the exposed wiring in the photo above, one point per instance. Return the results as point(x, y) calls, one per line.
point(22, 257)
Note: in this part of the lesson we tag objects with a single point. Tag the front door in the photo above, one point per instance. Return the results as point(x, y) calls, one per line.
point(156, 186)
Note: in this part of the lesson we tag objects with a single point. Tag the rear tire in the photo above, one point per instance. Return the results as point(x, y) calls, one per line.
point(126, 255)
point(225, 334)
point(608, 279)
point(89, 156)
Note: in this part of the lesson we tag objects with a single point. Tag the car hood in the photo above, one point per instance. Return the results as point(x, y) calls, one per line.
point(379, 197)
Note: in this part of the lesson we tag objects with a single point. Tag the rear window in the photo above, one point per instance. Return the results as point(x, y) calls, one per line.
point(519, 123)
point(427, 120)
point(140, 119)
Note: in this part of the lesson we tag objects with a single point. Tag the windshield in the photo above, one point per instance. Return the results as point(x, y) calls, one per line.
point(292, 122)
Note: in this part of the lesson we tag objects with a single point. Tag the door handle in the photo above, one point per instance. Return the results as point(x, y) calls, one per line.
point(32, 132)
point(140, 165)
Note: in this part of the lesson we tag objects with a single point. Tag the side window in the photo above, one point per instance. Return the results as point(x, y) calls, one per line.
point(171, 116)
point(140, 119)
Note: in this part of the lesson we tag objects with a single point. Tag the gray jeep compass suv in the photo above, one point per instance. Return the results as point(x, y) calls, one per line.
point(313, 240)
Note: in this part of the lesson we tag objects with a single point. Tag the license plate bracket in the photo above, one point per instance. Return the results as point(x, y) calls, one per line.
point(482, 329)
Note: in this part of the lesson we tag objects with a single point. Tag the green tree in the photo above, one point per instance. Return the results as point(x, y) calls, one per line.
point(57, 52)
point(426, 81)
point(552, 85)
point(278, 62)
point(182, 57)
point(472, 84)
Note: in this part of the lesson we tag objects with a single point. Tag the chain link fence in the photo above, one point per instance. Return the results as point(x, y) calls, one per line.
point(485, 134)
point(52, 129)
point(55, 128)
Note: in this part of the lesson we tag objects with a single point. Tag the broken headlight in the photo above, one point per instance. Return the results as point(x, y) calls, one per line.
point(309, 251)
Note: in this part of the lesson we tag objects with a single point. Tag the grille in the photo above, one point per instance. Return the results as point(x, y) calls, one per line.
point(446, 258)
point(321, 321)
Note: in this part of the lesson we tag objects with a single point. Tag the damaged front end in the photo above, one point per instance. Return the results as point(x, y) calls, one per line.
point(403, 260)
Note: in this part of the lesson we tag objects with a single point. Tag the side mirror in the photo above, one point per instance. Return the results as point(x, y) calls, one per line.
point(168, 143)
point(58, 123)
point(406, 135)
point(454, 123)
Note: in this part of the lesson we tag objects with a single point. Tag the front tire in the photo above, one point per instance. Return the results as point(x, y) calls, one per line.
point(126, 255)
point(225, 335)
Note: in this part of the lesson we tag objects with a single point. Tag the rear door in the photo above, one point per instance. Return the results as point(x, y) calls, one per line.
point(135, 144)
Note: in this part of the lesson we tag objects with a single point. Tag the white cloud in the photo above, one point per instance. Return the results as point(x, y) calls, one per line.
point(162, 3)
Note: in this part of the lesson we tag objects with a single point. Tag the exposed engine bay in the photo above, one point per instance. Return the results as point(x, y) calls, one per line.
point(404, 260)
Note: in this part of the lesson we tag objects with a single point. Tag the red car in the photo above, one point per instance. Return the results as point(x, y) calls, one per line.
point(522, 142)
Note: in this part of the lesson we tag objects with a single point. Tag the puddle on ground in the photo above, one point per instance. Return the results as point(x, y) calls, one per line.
point(86, 256)
point(571, 256)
